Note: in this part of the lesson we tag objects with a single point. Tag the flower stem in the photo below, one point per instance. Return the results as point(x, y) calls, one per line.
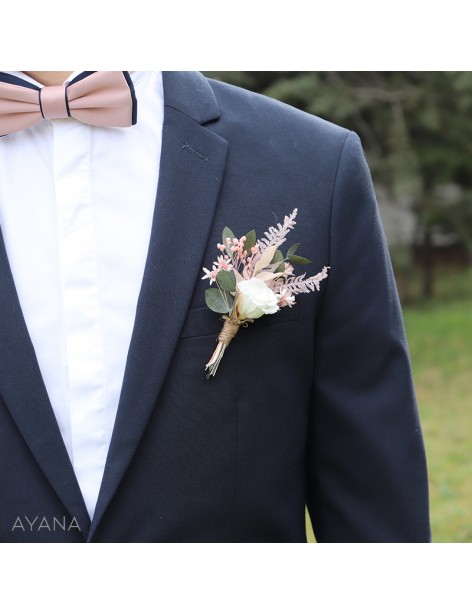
point(229, 330)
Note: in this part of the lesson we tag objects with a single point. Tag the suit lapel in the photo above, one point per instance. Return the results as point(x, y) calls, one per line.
point(24, 393)
point(191, 171)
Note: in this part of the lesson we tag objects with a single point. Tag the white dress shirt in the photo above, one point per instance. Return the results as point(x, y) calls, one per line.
point(76, 206)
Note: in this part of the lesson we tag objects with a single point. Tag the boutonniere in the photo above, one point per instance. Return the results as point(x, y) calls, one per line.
point(253, 279)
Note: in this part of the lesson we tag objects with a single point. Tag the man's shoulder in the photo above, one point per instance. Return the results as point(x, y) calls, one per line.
point(240, 107)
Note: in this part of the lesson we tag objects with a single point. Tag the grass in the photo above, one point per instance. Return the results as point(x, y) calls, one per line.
point(440, 340)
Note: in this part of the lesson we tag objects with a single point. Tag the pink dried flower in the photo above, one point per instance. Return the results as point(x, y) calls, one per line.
point(211, 275)
point(285, 298)
point(288, 268)
point(223, 262)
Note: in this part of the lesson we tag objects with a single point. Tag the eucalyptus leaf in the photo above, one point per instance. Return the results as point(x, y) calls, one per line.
point(250, 241)
point(227, 232)
point(292, 250)
point(215, 301)
point(278, 257)
point(299, 260)
point(226, 280)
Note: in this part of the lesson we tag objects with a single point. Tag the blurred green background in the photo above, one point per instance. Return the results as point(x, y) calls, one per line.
point(416, 131)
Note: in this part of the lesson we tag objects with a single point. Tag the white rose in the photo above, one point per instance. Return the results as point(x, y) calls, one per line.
point(255, 299)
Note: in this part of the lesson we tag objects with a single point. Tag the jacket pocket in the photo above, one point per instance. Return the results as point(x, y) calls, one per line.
point(201, 321)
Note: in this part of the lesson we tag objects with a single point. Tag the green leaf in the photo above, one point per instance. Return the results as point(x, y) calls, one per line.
point(279, 257)
point(226, 280)
point(215, 301)
point(250, 241)
point(292, 250)
point(299, 260)
point(227, 232)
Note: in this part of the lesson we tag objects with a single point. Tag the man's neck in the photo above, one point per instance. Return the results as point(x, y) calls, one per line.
point(49, 77)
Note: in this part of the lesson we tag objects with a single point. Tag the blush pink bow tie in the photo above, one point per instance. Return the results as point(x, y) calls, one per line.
point(101, 98)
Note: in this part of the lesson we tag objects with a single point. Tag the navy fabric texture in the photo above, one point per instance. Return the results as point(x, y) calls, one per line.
point(313, 405)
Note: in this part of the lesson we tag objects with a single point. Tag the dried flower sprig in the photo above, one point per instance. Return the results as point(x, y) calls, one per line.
point(253, 279)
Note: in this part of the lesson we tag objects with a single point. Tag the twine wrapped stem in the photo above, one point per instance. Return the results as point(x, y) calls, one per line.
point(227, 333)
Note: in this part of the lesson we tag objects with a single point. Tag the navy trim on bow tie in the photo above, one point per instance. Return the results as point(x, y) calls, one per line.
point(81, 76)
point(130, 83)
point(12, 80)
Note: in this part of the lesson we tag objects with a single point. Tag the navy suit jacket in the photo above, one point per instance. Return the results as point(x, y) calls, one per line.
point(313, 405)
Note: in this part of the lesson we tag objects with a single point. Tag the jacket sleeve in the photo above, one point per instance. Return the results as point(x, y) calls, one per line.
point(366, 467)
